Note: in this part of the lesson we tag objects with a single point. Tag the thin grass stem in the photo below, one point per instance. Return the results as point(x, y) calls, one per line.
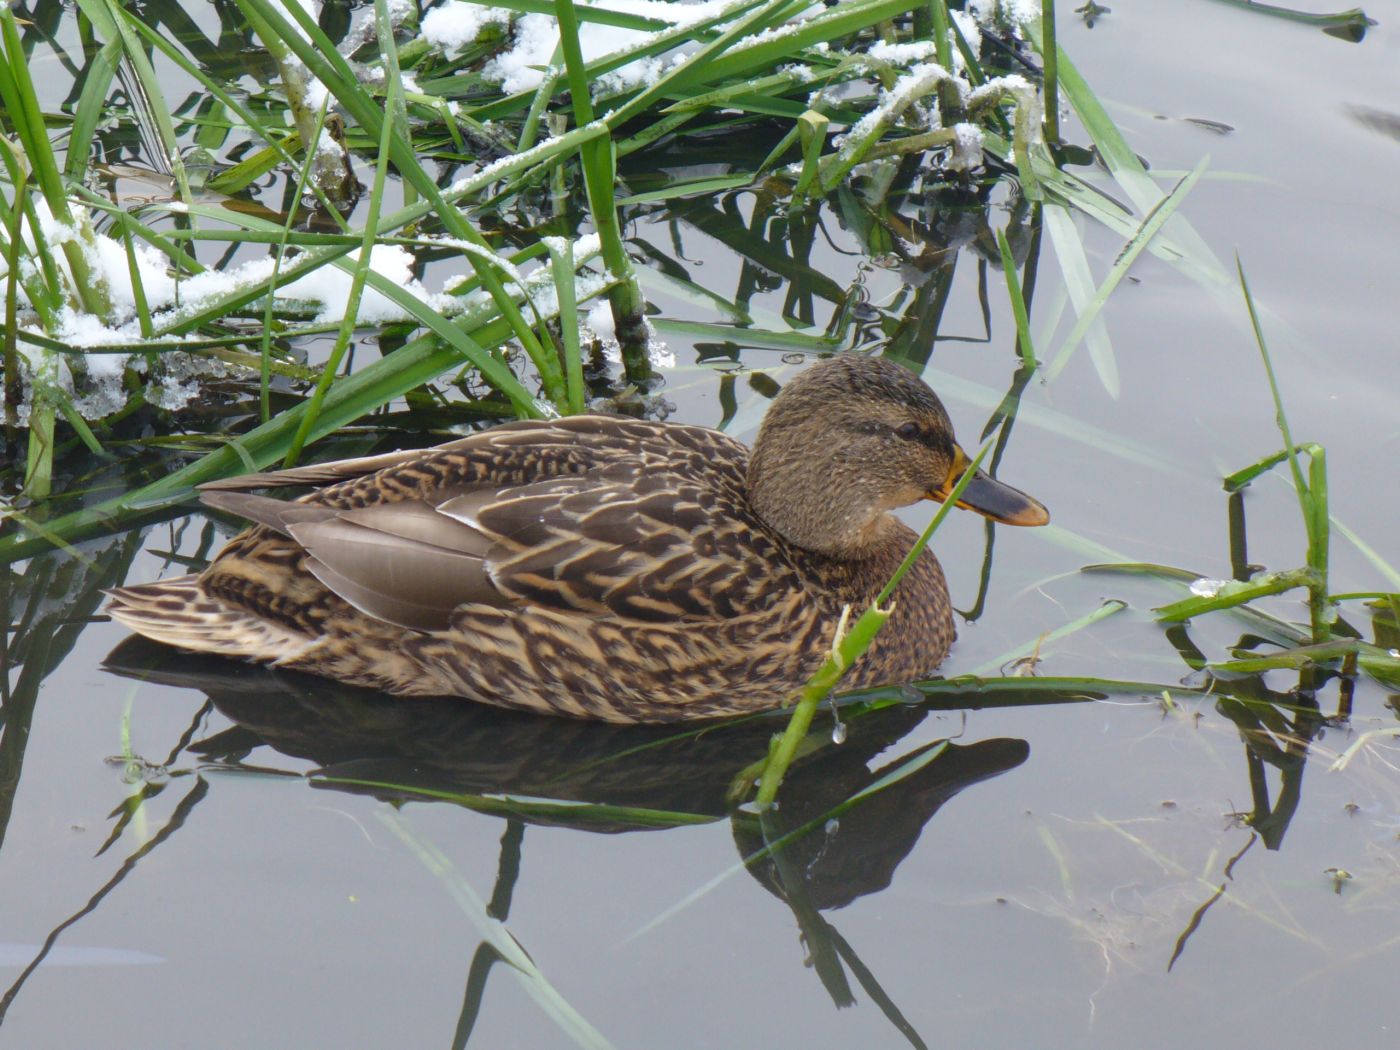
point(1050, 56)
point(949, 97)
point(1312, 499)
point(1024, 345)
point(599, 160)
point(265, 364)
point(363, 264)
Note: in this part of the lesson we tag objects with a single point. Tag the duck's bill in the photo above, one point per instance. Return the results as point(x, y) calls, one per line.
point(989, 497)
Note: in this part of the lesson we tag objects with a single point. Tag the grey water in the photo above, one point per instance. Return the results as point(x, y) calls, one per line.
point(1135, 871)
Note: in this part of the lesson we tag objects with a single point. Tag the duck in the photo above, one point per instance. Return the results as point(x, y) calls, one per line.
point(597, 566)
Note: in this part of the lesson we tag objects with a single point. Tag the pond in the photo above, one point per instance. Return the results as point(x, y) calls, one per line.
point(210, 854)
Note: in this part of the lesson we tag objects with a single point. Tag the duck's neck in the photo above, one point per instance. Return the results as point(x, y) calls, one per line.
point(835, 513)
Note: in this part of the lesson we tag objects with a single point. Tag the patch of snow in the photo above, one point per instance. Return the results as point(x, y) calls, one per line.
point(902, 54)
point(156, 281)
point(971, 31)
point(456, 24)
point(1013, 83)
point(660, 355)
point(967, 147)
point(1012, 12)
point(600, 320)
point(330, 286)
point(522, 67)
point(103, 391)
point(179, 378)
point(534, 38)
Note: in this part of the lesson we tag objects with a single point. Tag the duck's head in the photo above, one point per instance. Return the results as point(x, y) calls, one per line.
point(852, 438)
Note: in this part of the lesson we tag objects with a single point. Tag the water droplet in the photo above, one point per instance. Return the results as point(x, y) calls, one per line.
point(838, 733)
point(832, 826)
point(1204, 588)
point(1395, 654)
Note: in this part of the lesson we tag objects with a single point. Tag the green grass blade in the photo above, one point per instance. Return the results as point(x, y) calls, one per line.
point(847, 648)
point(91, 109)
point(1233, 593)
point(1024, 344)
point(362, 263)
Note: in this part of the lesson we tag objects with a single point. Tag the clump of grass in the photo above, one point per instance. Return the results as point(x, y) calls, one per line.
point(752, 68)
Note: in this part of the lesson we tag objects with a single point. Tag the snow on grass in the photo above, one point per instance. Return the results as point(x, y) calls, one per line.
point(94, 382)
point(456, 24)
point(902, 54)
point(967, 147)
point(600, 320)
point(1012, 12)
point(914, 85)
point(971, 31)
point(1012, 84)
point(535, 37)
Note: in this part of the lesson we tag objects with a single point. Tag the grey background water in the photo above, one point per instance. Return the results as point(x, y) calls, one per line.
point(1040, 907)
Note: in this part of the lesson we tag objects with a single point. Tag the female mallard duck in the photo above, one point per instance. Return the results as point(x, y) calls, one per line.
point(597, 566)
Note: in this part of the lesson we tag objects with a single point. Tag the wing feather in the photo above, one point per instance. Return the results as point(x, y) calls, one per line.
point(363, 563)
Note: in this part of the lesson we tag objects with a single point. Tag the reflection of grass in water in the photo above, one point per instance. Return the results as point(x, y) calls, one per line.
point(495, 933)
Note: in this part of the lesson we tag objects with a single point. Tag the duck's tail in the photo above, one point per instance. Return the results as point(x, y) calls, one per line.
point(178, 612)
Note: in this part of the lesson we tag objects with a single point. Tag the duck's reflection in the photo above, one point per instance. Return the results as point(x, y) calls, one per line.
point(849, 815)
point(615, 778)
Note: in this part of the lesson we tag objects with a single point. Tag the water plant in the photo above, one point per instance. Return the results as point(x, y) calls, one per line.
point(701, 69)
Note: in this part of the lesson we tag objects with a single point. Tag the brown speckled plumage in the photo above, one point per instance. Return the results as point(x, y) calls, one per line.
point(593, 566)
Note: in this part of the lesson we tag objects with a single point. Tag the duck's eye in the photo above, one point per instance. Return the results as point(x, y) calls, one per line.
point(907, 430)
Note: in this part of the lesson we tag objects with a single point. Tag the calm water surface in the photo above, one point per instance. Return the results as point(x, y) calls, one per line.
point(1066, 875)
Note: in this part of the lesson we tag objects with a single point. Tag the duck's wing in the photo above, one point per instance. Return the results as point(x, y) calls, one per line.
point(652, 547)
point(639, 526)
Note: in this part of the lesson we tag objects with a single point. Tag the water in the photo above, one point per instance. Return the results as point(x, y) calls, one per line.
point(1059, 875)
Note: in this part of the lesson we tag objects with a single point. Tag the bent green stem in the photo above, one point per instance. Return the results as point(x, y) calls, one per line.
point(846, 650)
